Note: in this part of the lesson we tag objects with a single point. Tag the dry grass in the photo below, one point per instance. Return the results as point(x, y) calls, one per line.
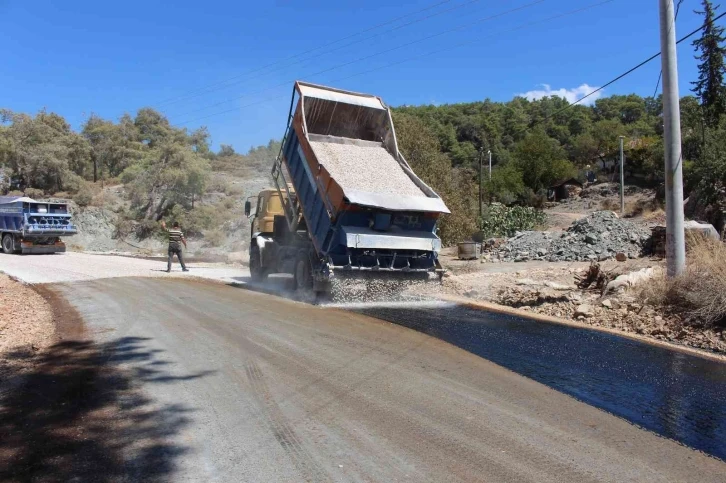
point(642, 207)
point(699, 293)
point(609, 204)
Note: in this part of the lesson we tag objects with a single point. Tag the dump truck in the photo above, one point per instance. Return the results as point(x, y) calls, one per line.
point(345, 201)
point(29, 226)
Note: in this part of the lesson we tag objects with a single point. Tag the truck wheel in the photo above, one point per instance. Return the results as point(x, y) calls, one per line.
point(257, 273)
point(303, 275)
point(8, 243)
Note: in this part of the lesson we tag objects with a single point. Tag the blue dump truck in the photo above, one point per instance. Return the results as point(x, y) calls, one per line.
point(29, 226)
point(345, 201)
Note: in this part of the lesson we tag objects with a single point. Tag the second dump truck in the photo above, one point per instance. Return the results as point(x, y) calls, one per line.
point(29, 226)
point(345, 201)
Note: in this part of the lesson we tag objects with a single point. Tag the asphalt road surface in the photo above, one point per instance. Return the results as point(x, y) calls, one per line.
point(225, 384)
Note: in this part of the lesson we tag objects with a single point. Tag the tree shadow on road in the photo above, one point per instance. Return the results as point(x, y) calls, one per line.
point(78, 414)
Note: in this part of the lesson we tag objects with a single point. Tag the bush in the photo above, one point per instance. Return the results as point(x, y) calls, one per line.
point(234, 190)
point(699, 294)
point(34, 193)
point(499, 220)
point(62, 195)
point(84, 197)
point(124, 226)
point(215, 238)
point(218, 185)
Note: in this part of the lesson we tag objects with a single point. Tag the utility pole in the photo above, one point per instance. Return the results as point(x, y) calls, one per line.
point(622, 178)
point(490, 164)
point(675, 235)
point(481, 153)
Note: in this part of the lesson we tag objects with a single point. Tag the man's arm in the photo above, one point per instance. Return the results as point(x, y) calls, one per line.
point(184, 241)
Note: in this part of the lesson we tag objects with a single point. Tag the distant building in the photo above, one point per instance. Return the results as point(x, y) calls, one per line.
point(564, 189)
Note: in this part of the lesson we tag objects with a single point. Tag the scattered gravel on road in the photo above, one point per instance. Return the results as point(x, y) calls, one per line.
point(74, 267)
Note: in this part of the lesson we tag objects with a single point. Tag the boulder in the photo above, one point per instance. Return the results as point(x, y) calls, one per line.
point(584, 310)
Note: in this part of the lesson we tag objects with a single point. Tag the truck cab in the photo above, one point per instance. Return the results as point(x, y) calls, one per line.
point(265, 239)
point(268, 204)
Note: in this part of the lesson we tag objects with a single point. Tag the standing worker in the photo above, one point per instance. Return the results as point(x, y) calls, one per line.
point(175, 237)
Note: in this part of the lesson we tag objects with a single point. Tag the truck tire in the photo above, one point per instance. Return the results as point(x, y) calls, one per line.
point(257, 272)
point(8, 243)
point(303, 275)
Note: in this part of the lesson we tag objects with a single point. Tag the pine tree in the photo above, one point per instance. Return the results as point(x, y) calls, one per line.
point(710, 84)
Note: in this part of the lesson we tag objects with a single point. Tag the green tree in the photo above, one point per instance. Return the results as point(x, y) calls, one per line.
point(113, 146)
point(710, 84)
point(173, 170)
point(226, 150)
point(420, 146)
point(506, 185)
point(541, 161)
point(42, 152)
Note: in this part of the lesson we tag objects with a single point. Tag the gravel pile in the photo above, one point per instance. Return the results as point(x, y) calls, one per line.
point(367, 168)
point(599, 236)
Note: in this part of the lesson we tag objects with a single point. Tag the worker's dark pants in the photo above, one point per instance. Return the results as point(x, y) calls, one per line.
point(178, 251)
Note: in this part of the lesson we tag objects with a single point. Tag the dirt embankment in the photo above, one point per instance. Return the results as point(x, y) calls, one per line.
point(550, 289)
point(26, 322)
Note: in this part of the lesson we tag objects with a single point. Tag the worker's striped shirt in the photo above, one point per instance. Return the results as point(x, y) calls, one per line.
point(175, 237)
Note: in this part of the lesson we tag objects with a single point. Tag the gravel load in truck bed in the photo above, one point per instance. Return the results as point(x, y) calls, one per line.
point(369, 168)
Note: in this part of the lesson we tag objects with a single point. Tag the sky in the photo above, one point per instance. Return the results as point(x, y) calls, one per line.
point(230, 65)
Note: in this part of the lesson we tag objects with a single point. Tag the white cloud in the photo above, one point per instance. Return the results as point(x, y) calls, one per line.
point(570, 94)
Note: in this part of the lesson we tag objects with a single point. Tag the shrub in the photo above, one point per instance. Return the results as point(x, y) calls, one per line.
point(34, 193)
point(215, 238)
point(699, 293)
point(218, 185)
point(124, 226)
point(62, 195)
point(84, 196)
point(234, 190)
point(499, 220)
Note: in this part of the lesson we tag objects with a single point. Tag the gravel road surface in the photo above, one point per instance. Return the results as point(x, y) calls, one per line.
point(75, 267)
point(265, 389)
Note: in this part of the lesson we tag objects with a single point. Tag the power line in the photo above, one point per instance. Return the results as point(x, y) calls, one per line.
point(294, 56)
point(376, 54)
point(227, 84)
point(649, 59)
point(427, 54)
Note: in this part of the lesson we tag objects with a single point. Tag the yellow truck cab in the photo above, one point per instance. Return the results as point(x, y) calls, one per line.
point(269, 204)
